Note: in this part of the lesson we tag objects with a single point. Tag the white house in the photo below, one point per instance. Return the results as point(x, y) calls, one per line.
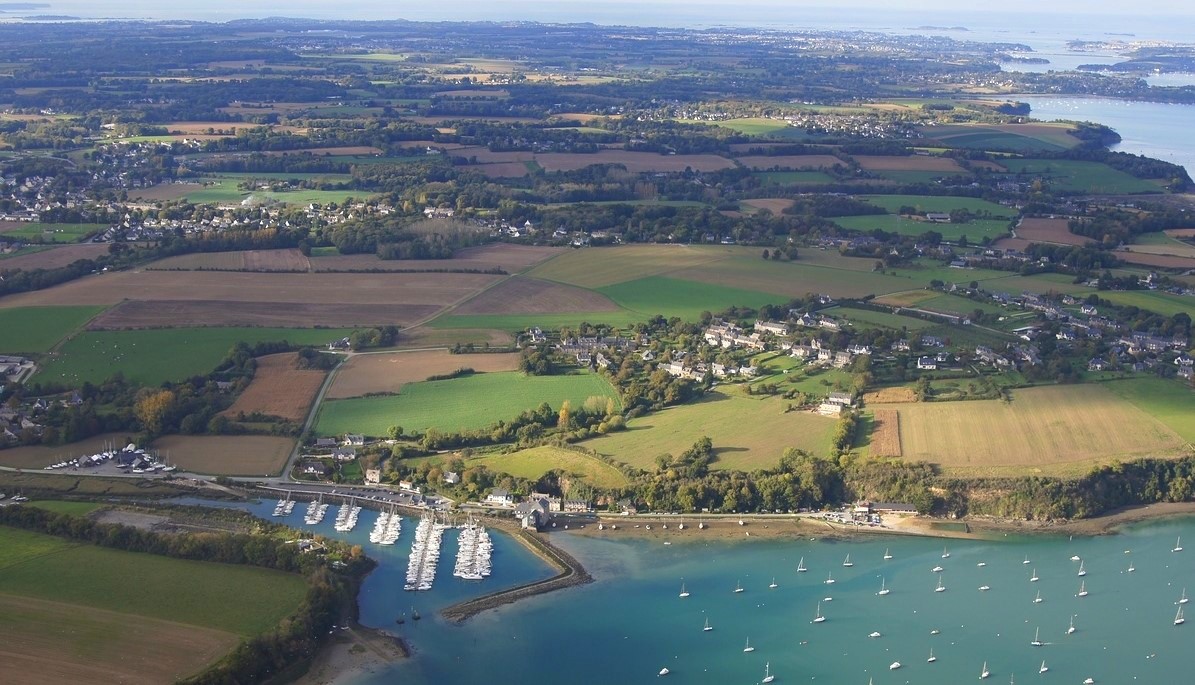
point(500, 497)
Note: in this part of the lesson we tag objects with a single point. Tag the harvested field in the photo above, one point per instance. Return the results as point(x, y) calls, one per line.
point(503, 169)
point(424, 336)
point(227, 455)
point(609, 265)
point(1164, 261)
point(896, 395)
point(885, 433)
point(54, 257)
point(484, 155)
point(1181, 233)
point(773, 205)
point(366, 374)
point(479, 93)
point(1170, 248)
point(1012, 244)
point(321, 288)
point(1056, 231)
point(40, 456)
point(909, 163)
point(635, 162)
point(793, 162)
point(523, 295)
point(279, 388)
point(169, 313)
point(1047, 429)
point(321, 151)
point(248, 260)
point(50, 643)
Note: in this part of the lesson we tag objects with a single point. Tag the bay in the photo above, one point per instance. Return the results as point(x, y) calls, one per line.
point(630, 622)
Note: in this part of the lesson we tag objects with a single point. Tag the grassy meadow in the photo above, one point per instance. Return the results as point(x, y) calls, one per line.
point(238, 599)
point(533, 463)
point(466, 403)
point(748, 433)
point(974, 230)
point(53, 233)
point(1081, 177)
point(153, 356)
point(37, 329)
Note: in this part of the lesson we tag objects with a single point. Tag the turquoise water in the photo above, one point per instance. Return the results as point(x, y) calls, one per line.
point(1155, 129)
point(630, 623)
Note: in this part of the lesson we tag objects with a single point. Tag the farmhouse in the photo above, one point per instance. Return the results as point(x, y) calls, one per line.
point(354, 439)
point(344, 454)
point(326, 442)
point(773, 327)
point(937, 217)
point(845, 399)
point(829, 409)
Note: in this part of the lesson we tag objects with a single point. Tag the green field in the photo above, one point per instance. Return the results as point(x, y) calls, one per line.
point(54, 233)
point(224, 190)
point(458, 404)
point(1165, 304)
point(37, 329)
point(1032, 138)
point(521, 322)
point(239, 599)
point(686, 299)
point(747, 433)
point(890, 223)
point(756, 126)
point(1168, 400)
point(73, 508)
point(863, 318)
point(793, 177)
point(533, 463)
point(1081, 177)
point(936, 203)
point(927, 177)
point(154, 356)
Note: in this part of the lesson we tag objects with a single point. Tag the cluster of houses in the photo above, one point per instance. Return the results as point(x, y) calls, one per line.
point(24, 423)
point(339, 450)
point(537, 509)
point(588, 350)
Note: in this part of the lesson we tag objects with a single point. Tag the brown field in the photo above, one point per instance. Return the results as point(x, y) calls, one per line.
point(225, 127)
point(635, 162)
point(54, 257)
point(437, 121)
point(490, 93)
point(897, 395)
point(485, 156)
point(429, 143)
point(885, 433)
point(510, 258)
point(248, 260)
point(522, 295)
point(165, 191)
point(774, 205)
point(1045, 429)
point(910, 163)
point(790, 161)
point(268, 107)
point(1164, 261)
point(317, 288)
point(52, 643)
point(168, 313)
point(39, 456)
point(1041, 230)
point(226, 455)
point(6, 226)
point(343, 150)
point(1181, 233)
point(423, 337)
point(502, 169)
point(587, 118)
point(1012, 244)
point(364, 374)
point(279, 388)
point(1173, 249)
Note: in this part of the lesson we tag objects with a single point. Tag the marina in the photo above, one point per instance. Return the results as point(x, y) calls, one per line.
point(346, 516)
point(387, 528)
point(474, 552)
point(425, 554)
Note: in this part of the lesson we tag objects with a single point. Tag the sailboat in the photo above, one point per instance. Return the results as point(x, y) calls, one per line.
point(941, 587)
point(707, 628)
point(801, 566)
point(819, 618)
point(830, 578)
point(664, 671)
point(1178, 545)
point(1033, 578)
point(945, 553)
point(1038, 599)
point(738, 587)
point(931, 658)
point(773, 585)
point(1083, 589)
point(1082, 571)
point(1037, 638)
point(1131, 567)
point(1026, 561)
point(983, 673)
point(683, 591)
point(1043, 668)
point(985, 588)
point(1070, 630)
point(883, 587)
point(767, 673)
point(887, 554)
point(1178, 618)
point(748, 648)
point(1183, 599)
point(847, 562)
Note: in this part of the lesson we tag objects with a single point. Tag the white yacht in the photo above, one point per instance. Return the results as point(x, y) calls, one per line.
point(1038, 599)
point(1083, 589)
point(1178, 618)
point(1178, 545)
point(1183, 599)
point(1082, 570)
point(1033, 578)
point(767, 673)
point(683, 591)
point(748, 648)
point(887, 554)
point(941, 587)
point(738, 587)
point(818, 618)
point(1043, 668)
point(801, 566)
point(894, 665)
point(847, 563)
point(1037, 638)
point(773, 586)
point(984, 672)
point(1071, 629)
point(931, 658)
point(707, 627)
point(874, 634)
point(830, 578)
point(883, 587)
point(664, 671)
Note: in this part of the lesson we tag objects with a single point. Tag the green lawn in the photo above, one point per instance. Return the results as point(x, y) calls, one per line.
point(154, 356)
point(239, 599)
point(533, 463)
point(891, 223)
point(37, 329)
point(458, 404)
point(54, 233)
point(1081, 177)
point(865, 318)
point(1170, 401)
point(936, 203)
point(747, 433)
point(686, 299)
point(224, 190)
